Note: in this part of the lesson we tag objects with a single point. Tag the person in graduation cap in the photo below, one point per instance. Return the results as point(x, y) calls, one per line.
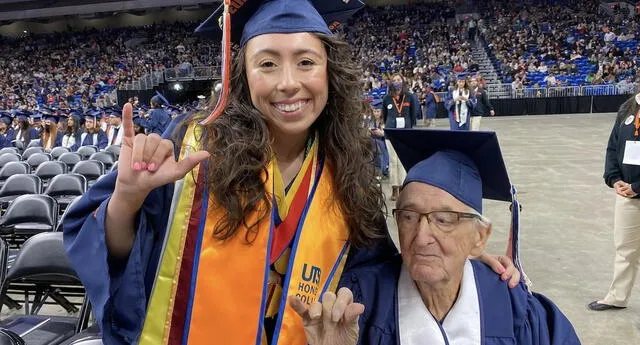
point(6, 132)
point(439, 295)
point(24, 133)
point(36, 124)
point(114, 131)
point(459, 103)
point(138, 123)
point(430, 107)
point(50, 138)
point(158, 118)
point(277, 207)
point(74, 129)
point(376, 126)
point(93, 134)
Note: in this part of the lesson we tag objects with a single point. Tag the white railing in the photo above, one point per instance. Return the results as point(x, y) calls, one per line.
point(507, 91)
point(149, 81)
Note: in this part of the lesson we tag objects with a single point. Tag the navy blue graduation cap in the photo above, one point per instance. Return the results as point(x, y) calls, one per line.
point(52, 117)
point(22, 115)
point(5, 116)
point(137, 119)
point(466, 164)
point(257, 17)
point(36, 116)
point(76, 114)
point(92, 114)
point(44, 112)
point(159, 99)
point(114, 111)
point(238, 21)
point(376, 103)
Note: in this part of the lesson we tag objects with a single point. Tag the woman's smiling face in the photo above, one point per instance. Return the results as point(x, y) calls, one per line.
point(288, 82)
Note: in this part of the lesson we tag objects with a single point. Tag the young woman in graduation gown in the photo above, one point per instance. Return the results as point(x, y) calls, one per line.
point(459, 103)
point(278, 200)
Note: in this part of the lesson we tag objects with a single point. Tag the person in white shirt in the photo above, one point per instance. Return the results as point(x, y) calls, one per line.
point(114, 132)
point(609, 36)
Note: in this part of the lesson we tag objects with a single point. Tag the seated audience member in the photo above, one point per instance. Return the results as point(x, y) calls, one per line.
point(138, 123)
point(114, 131)
point(6, 132)
point(24, 132)
point(92, 134)
point(73, 130)
point(50, 138)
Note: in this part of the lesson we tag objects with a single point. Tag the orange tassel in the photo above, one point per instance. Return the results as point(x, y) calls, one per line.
point(226, 66)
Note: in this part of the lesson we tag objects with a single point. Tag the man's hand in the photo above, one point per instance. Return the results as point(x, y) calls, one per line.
point(334, 322)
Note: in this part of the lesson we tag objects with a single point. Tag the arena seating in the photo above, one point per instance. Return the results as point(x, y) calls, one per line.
point(41, 272)
point(578, 44)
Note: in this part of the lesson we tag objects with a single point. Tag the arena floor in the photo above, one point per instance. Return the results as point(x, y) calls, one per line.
point(556, 162)
point(567, 243)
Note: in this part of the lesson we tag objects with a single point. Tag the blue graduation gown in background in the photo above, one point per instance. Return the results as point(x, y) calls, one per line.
point(508, 316)
point(431, 107)
point(58, 140)
point(451, 104)
point(119, 290)
point(5, 139)
point(101, 143)
point(34, 134)
point(157, 122)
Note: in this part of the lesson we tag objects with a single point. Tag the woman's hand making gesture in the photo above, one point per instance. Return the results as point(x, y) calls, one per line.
point(146, 162)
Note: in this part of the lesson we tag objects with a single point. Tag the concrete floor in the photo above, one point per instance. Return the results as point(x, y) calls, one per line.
point(556, 162)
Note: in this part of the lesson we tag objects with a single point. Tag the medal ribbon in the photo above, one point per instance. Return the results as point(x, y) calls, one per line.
point(399, 107)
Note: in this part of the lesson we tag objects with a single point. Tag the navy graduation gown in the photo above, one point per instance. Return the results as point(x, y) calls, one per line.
point(119, 290)
point(431, 106)
point(100, 141)
point(5, 139)
point(58, 140)
point(157, 122)
point(450, 104)
point(508, 316)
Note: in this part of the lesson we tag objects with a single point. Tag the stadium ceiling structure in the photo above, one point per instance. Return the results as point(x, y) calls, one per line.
point(17, 10)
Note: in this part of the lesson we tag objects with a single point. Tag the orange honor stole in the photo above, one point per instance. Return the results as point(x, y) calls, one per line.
point(209, 291)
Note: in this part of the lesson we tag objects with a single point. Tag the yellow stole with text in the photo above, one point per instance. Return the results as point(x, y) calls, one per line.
point(209, 291)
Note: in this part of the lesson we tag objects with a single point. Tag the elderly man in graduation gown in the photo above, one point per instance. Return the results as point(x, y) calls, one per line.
point(436, 294)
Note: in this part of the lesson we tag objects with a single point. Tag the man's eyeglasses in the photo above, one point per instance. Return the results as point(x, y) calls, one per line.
point(446, 221)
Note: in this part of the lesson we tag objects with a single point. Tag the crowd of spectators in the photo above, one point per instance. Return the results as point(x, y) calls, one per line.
point(423, 42)
point(75, 69)
point(544, 43)
point(551, 43)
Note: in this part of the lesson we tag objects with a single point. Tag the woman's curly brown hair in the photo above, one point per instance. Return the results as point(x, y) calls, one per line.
point(240, 149)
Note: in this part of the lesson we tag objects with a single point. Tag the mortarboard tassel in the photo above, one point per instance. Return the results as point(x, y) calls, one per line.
point(226, 66)
point(513, 249)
